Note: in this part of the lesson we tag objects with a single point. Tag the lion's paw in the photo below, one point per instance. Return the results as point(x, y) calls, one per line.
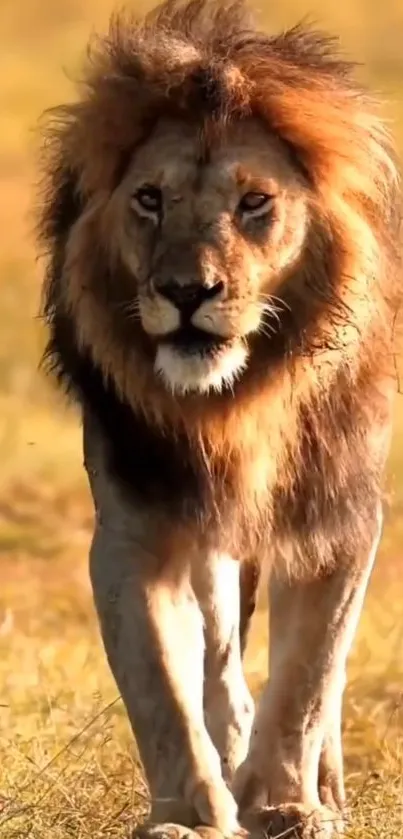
point(292, 821)
point(170, 830)
point(167, 830)
point(205, 832)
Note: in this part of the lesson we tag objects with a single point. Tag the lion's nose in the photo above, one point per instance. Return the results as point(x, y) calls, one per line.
point(189, 296)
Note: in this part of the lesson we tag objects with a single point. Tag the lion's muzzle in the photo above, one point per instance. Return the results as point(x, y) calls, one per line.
point(199, 346)
point(188, 297)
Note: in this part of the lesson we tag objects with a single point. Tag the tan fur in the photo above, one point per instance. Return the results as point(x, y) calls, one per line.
point(228, 705)
point(302, 739)
point(272, 447)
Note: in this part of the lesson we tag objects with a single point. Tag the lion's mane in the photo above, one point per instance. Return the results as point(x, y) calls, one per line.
point(289, 449)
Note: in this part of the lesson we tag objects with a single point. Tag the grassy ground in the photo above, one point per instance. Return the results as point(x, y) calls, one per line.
point(67, 762)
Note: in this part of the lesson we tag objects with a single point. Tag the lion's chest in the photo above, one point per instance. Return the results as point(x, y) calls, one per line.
point(298, 476)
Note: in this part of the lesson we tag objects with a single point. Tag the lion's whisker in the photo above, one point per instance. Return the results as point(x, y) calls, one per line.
point(267, 331)
point(271, 314)
point(128, 306)
point(269, 298)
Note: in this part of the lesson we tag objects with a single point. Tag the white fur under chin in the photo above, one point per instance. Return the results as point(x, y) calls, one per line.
point(184, 373)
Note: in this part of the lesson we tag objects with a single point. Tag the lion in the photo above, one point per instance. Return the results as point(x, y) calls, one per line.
point(220, 212)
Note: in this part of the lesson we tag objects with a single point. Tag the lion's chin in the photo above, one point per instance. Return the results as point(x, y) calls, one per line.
point(185, 372)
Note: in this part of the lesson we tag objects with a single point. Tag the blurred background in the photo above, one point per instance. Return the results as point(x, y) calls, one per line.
point(66, 762)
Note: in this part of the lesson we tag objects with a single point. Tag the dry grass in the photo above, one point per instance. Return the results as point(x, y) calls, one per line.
point(67, 762)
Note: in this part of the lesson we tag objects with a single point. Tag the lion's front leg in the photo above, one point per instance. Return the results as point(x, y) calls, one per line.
point(331, 777)
point(152, 629)
point(228, 704)
point(295, 750)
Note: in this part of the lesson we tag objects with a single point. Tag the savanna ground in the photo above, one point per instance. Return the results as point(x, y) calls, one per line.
point(67, 761)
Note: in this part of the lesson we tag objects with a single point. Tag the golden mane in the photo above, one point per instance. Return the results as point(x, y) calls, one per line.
point(204, 61)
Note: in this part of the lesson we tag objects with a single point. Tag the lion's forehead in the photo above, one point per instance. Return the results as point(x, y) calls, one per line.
point(178, 156)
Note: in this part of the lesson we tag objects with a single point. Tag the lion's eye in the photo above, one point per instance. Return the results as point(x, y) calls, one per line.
point(148, 198)
point(255, 203)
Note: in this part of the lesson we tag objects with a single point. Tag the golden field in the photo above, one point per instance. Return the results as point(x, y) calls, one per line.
point(67, 761)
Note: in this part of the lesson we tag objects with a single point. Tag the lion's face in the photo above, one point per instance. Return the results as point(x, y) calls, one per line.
point(207, 237)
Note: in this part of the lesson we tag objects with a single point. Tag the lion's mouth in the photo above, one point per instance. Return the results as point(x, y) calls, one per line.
point(189, 340)
point(190, 359)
